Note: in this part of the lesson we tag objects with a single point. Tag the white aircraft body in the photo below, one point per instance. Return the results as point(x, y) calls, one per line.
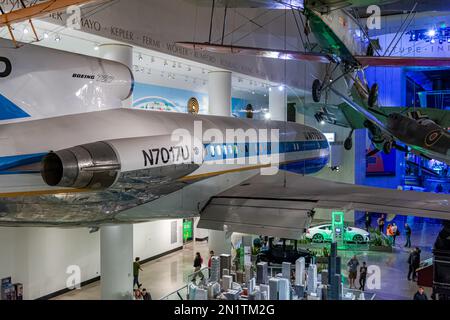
point(70, 156)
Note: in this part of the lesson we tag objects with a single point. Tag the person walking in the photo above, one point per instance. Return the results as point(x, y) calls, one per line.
point(352, 264)
point(420, 294)
point(198, 261)
point(395, 232)
point(136, 269)
point(380, 223)
point(410, 263)
point(408, 236)
point(362, 276)
point(368, 220)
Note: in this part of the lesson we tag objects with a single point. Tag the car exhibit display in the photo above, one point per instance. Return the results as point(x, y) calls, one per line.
point(277, 253)
point(323, 233)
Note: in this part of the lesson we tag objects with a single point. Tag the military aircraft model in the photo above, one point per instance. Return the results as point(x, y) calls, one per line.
point(71, 156)
point(343, 43)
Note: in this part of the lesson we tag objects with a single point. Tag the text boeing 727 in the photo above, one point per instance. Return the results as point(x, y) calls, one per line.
point(66, 161)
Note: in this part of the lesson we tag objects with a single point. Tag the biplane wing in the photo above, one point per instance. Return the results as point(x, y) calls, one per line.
point(258, 52)
point(37, 10)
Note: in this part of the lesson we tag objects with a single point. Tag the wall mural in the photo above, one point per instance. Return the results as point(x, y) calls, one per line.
point(153, 97)
point(159, 98)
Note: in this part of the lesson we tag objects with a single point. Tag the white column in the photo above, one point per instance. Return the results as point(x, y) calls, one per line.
point(219, 93)
point(121, 53)
point(219, 242)
point(116, 262)
point(278, 103)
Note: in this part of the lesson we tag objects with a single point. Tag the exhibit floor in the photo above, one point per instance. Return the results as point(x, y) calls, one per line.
point(160, 276)
point(168, 273)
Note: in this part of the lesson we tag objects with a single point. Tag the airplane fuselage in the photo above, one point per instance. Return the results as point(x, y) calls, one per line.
point(83, 169)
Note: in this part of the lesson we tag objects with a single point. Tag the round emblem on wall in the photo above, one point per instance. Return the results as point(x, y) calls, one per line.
point(193, 106)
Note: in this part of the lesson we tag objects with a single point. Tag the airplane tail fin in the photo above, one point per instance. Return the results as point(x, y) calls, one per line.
point(38, 82)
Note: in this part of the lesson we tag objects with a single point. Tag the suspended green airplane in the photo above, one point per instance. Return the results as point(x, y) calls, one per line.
point(342, 42)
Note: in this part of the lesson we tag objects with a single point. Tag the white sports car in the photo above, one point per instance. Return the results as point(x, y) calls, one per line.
point(323, 232)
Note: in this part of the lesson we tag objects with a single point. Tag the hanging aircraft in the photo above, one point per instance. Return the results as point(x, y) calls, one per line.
point(19, 11)
point(342, 42)
point(68, 160)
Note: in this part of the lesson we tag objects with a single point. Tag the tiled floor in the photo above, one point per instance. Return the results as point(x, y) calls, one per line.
point(169, 273)
point(160, 276)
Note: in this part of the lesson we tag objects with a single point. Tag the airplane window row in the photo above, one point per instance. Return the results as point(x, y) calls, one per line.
point(234, 150)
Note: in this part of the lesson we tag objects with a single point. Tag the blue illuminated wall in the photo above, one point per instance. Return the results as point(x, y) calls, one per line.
point(392, 92)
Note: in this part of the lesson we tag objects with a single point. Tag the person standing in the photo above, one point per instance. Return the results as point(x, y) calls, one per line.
point(352, 264)
point(136, 269)
point(362, 276)
point(380, 222)
point(368, 220)
point(416, 263)
point(420, 294)
point(395, 232)
point(390, 234)
point(408, 236)
point(146, 295)
point(211, 254)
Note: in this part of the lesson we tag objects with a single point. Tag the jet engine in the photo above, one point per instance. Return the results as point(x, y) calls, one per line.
point(99, 165)
point(92, 166)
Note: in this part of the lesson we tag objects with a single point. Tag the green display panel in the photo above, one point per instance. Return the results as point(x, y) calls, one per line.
point(187, 230)
point(337, 225)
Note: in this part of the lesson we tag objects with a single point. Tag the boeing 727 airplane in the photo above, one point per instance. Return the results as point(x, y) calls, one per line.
point(68, 159)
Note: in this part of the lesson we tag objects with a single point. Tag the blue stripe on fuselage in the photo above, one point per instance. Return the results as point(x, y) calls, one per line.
point(238, 151)
point(306, 166)
point(10, 162)
point(9, 110)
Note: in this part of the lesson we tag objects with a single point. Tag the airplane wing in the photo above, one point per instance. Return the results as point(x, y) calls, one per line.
point(281, 204)
point(403, 61)
point(258, 52)
point(440, 117)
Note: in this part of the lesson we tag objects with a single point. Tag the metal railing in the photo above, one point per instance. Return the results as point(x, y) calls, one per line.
point(182, 293)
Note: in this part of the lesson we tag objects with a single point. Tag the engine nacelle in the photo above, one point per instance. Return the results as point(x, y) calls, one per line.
point(100, 164)
point(92, 166)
